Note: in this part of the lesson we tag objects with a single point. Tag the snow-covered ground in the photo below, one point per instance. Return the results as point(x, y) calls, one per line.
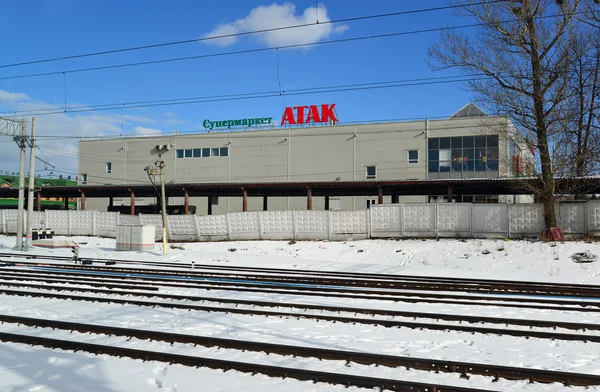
point(24, 368)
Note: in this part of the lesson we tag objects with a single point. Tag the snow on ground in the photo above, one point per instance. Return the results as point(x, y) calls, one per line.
point(24, 368)
point(514, 260)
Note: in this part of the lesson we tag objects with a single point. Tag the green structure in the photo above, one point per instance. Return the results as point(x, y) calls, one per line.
point(46, 203)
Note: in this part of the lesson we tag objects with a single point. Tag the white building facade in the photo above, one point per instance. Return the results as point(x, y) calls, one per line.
point(469, 144)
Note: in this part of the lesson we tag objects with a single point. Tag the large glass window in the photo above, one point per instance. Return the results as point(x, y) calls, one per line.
point(463, 154)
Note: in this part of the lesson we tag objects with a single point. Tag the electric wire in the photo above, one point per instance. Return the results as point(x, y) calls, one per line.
point(238, 98)
point(246, 33)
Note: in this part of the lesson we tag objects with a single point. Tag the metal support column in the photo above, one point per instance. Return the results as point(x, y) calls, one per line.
point(82, 201)
point(309, 198)
point(186, 202)
point(449, 193)
point(265, 203)
point(395, 199)
point(132, 208)
point(110, 201)
point(379, 195)
point(244, 200)
point(38, 199)
point(210, 204)
point(66, 203)
point(326, 203)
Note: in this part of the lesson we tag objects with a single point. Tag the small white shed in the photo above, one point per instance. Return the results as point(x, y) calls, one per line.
point(135, 237)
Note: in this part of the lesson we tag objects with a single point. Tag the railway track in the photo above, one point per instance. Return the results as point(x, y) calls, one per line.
point(465, 369)
point(80, 276)
point(419, 284)
point(244, 367)
point(331, 308)
point(524, 333)
point(353, 279)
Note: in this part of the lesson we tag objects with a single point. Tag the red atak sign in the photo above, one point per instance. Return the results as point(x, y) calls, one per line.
point(307, 114)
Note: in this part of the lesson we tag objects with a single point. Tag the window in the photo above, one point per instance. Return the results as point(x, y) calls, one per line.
point(215, 152)
point(108, 167)
point(463, 154)
point(413, 156)
point(179, 154)
point(205, 152)
point(83, 179)
point(197, 152)
point(224, 151)
point(188, 153)
point(371, 172)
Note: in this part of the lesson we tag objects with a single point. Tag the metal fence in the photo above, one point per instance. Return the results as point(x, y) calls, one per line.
point(381, 221)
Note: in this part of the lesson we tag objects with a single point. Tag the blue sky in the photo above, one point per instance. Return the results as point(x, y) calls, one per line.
point(32, 30)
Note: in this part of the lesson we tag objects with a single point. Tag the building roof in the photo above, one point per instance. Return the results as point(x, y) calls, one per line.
point(469, 110)
point(471, 186)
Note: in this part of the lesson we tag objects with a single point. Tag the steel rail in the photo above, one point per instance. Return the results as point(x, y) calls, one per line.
point(409, 297)
point(330, 308)
point(434, 284)
point(433, 365)
point(244, 367)
point(312, 272)
point(83, 282)
point(318, 317)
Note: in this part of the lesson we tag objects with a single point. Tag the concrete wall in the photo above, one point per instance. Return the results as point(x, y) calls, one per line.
point(397, 220)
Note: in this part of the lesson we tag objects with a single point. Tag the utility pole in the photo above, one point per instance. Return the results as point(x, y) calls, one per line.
point(21, 141)
point(30, 196)
point(159, 170)
point(163, 204)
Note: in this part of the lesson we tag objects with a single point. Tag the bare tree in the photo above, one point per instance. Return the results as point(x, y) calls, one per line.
point(523, 47)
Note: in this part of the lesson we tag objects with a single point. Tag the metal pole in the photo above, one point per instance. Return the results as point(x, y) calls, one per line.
point(30, 197)
point(21, 143)
point(163, 203)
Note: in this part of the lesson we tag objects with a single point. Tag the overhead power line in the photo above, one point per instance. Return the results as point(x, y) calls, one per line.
point(238, 97)
point(316, 23)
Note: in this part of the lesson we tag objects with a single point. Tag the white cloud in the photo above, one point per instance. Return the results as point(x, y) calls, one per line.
point(274, 16)
point(143, 131)
point(7, 97)
point(55, 134)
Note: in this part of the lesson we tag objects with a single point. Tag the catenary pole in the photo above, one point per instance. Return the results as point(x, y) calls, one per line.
point(30, 195)
point(21, 142)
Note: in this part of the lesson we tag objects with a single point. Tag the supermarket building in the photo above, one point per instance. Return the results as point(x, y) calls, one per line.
point(311, 145)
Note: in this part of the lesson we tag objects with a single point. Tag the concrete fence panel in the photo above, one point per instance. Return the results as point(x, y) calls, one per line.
point(348, 224)
point(571, 218)
point(593, 218)
point(105, 224)
point(454, 220)
point(420, 220)
point(212, 228)
point(81, 222)
point(311, 225)
point(525, 220)
point(386, 221)
point(182, 227)
point(490, 220)
point(276, 225)
point(243, 225)
point(58, 221)
point(9, 221)
point(129, 219)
